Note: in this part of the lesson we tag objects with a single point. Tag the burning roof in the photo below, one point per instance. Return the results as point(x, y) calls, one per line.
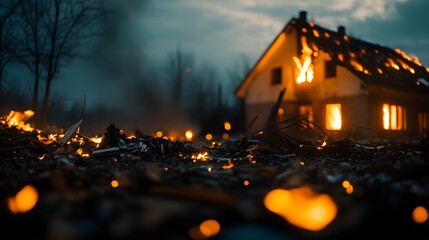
point(374, 64)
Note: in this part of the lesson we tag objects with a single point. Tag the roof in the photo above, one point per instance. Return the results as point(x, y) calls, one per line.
point(373, 64)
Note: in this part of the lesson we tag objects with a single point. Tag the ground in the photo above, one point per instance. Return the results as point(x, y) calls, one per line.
point(165, 190)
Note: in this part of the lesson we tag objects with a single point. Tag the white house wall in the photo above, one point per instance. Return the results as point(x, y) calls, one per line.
point(261, 90)
point(344, 84)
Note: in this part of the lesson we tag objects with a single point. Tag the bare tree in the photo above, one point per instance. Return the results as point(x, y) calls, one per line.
point(52, 32)
point(179, 64)
point(7, 34)
point(239, 71)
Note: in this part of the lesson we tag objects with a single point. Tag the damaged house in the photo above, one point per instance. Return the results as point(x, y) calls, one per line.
point(346, 86)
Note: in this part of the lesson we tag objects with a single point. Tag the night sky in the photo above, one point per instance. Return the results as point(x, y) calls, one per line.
point(218, 34)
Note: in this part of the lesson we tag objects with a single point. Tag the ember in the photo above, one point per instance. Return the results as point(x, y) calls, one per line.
point(269, 181)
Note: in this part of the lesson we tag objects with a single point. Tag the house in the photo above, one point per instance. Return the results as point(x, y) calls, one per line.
point(347, 86)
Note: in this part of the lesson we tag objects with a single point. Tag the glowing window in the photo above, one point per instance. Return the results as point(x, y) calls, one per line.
point(424, 124)
point(306, 112)
point(394, 117)
point(333, 116)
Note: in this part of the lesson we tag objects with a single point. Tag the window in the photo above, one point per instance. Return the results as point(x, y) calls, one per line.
point(276, 76)
point(330, 69)
point(333, 116)
point(424, 124)
point(394, 117)
point(306, 112)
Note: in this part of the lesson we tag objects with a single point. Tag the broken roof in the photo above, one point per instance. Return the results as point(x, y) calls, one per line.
point(373, 64)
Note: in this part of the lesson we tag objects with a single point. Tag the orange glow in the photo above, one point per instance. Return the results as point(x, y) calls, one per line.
point(420, 214)
point(97, 140)
point(333, 116)
point(302, 207)
point(316, 33)
point(24, 201)
point(228, 165)
point(340, 57)
point(159, 134)
point(189, 135)
point(386, 116)
point(394, 117)
point(379, 70)
point(303, 64)
point(327, 35)
point(306, 111)
point(393, 63)
point(114, 183)
point(273, 49)
point(349, 188)
point(227, 125)
point(225, 136)
point(412, 58)
point(280, 111)
point(210, 227)
point(301, 163)
point(79, 151)
point(346, 38)
point(346, 184)
point(246, 182)
point(209, 137)
point(18, 119)
point(201, 156)
point(356, 65)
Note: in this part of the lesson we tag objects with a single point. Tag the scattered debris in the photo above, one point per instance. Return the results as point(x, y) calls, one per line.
point(135, 187)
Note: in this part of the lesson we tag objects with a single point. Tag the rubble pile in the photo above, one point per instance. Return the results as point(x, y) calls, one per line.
point(121, 187)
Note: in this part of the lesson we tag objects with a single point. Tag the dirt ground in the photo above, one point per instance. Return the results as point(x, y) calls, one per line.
point(166, 190)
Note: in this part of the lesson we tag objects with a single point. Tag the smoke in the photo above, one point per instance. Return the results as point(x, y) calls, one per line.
point(130, 91)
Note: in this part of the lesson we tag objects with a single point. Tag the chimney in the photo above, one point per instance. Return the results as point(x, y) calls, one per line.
point(342, 30)
point(302, 16)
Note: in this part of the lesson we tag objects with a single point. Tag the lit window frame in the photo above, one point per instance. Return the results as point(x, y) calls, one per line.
point(394, 117)
point(332, 121)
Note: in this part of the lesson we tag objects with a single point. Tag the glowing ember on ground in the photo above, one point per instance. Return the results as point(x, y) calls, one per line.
point(18, 119)
point(24, 200)
point(420, 214)
point(302, 207)
point(200, 156)
point(114, 183)
point(189, 135)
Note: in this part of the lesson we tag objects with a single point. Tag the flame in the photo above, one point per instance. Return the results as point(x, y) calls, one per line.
point(414, 59)
point(333, 116)
point(386, 116)
point(201, 156)
point(302, 207)
point(24, 201)
point(393, 63)
point(356, 65)
point(304, 65)
point(97, 140)
point(228, 165)
point(394, 117)
point(18, 119)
